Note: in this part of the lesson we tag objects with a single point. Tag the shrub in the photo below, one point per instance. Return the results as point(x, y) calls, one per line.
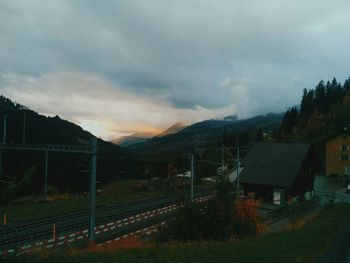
point(247, 218)
point(19, 189)
point(211, 220)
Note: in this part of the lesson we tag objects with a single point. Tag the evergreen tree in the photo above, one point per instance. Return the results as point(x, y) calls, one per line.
point(307, 104)
point(259, 137)
point(290, 120)
point(320, 96)
point(346, 86)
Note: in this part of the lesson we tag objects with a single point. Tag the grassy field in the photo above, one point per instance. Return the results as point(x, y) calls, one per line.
point(116, 192)
point(305, 244)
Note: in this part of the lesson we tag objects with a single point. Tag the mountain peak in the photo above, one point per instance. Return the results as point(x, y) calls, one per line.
point(176, 127)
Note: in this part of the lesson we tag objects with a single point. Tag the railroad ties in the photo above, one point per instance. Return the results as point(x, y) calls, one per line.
point(137, 223)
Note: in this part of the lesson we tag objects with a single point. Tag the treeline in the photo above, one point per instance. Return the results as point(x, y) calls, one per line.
point(66, 171)
point(320, 108)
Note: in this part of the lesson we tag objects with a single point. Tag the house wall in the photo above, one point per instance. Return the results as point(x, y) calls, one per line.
point(336, 162)
point(303, 182)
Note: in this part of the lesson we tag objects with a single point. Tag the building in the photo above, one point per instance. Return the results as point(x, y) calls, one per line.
point(158, 166)
point(284, 168)
point(337, 154)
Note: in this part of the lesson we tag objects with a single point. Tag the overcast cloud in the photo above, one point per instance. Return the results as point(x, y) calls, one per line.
point(118, 67)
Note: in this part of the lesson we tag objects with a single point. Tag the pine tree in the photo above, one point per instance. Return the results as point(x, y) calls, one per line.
point(259, 137)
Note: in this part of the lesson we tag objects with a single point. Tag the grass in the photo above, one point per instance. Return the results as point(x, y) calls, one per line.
point(303, 244)
point(116, 192)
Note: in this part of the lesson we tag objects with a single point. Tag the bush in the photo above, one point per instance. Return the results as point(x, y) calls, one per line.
point(51, 190)
point(19, 189)
point(186, 226)
point(221, 218)
point(211, 220)
point(247, 218)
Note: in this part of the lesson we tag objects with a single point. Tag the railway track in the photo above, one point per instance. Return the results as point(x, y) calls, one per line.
point(41, 229)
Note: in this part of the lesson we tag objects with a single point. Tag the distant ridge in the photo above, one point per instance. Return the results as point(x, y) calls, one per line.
point(207, 132)
point(176, 127)
point(125, 141)
point(66, 171)
point(140, 137)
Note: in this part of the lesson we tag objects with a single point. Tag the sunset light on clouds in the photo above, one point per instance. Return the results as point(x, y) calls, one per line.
point(122, 67)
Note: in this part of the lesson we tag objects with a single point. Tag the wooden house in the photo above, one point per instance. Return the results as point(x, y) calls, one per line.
point(287, 167)
point(337, 154)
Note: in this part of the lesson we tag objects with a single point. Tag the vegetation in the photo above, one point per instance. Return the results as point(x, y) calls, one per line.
point(18, 189)
point(120, 191)
point(323, 110)
point(67, 172)
point(208, 133)
point(221, 218)
point(304, 244)
point(247, 218)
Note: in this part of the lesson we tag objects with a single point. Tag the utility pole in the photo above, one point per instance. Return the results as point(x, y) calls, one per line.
point(222, 159)
point(24, 128)
point(5, 129)
point(92, 193)
point(237, 180)
point(3, 140)
point(24, 109)
point(46, 168)
point(192, 173)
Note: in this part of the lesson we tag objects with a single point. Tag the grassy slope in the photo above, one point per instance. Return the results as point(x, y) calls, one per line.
point(119, 191)
point(116, 192)
point(301, 245)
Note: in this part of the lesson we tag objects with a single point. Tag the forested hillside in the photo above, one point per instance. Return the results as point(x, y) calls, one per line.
point(66, 171)
point(323, 110)
point(209, 133)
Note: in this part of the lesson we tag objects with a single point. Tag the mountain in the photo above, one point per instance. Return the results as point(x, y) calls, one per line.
point(144, 136)
point(66, 171)
point(231, 118)
point(176, 127)
point(208, 132)
point(125, 141)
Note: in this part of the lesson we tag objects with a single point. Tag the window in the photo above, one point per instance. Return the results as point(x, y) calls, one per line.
point(347, 170)
point(344, 148)
point(344, 157)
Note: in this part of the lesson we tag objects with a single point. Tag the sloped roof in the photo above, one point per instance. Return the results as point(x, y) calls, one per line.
point(274, 164)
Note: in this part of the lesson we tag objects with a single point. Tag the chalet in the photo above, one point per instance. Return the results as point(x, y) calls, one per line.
point(285, 167)
point(157, 166)
point(337, 154)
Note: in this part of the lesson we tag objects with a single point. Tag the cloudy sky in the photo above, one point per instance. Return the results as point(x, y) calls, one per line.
point(120, 67)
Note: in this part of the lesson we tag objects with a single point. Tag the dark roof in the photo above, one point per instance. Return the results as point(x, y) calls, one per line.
point(274, 164)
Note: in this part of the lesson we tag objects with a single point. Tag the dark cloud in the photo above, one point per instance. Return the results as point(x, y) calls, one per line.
point(183, 51)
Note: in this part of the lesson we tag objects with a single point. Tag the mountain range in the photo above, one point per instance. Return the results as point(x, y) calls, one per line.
point(143, 136)
point(207, 132)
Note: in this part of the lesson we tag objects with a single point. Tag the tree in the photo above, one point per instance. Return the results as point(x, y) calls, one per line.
point(211, 220)
point(247, 218)
point(320, 96)
point(259, 137)
point(290, 120)
point(307, 104)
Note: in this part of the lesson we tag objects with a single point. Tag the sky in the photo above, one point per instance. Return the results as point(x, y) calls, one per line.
point(129, 66)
